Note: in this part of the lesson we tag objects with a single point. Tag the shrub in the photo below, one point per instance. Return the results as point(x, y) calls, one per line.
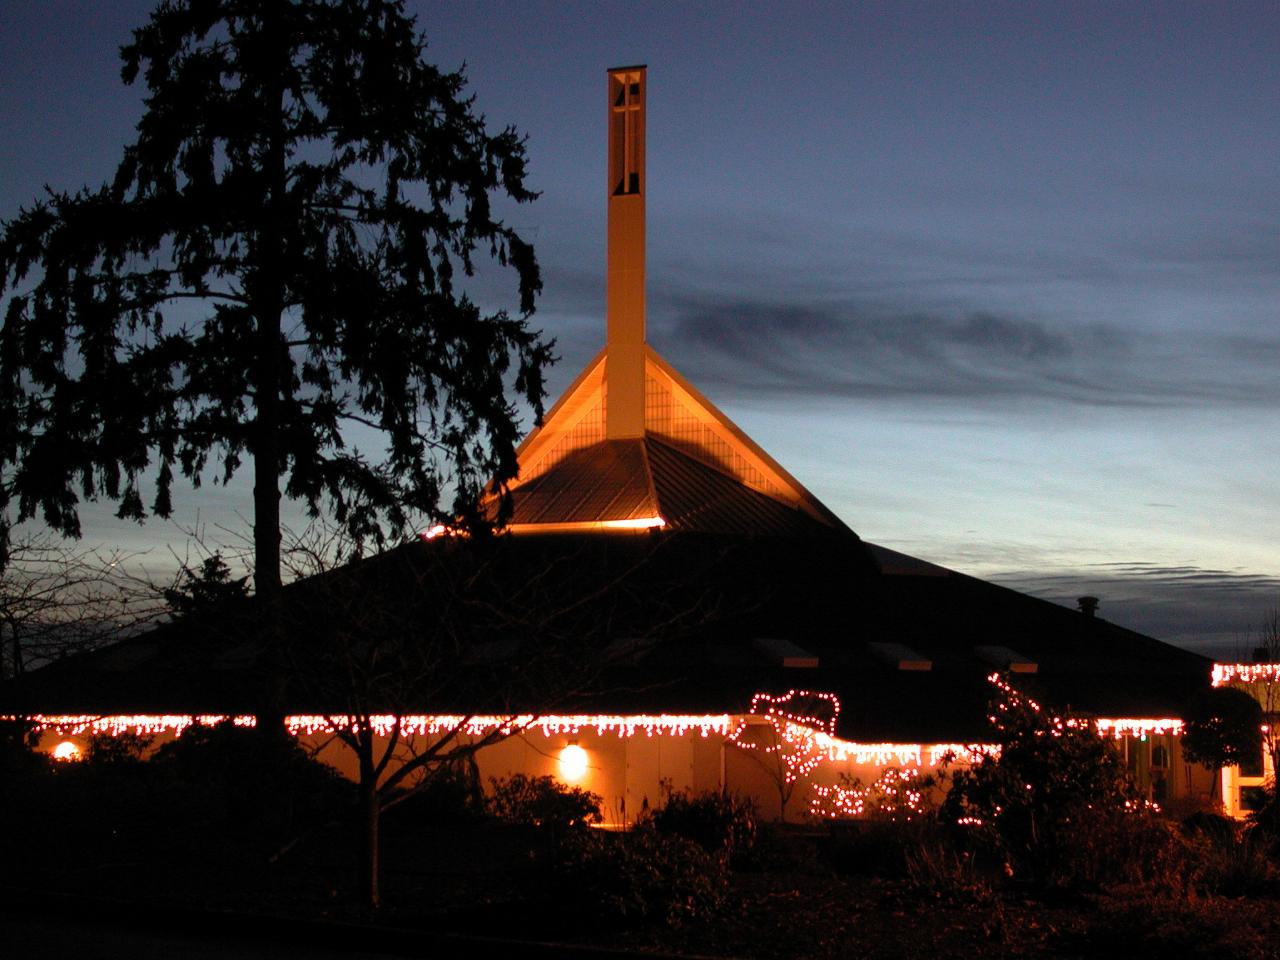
point(120, 750)
point(1104, 846)
point(1227, 859)
point(25, 779)
point(638, 877)
point(263, 789)
point(718, 822)
point(943, 871)
point(869, 848)
point(18, 754)
point(1223, 727)
point(449, 795)
point(898, 794)
point(543, 802)
point(1265, 822)
point(1056, 803)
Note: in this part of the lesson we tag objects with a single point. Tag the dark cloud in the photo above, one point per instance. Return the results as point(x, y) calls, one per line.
point(1219, 613)
point(869, 350)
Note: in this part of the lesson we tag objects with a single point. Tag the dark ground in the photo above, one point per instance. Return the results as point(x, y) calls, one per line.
point(445, 888)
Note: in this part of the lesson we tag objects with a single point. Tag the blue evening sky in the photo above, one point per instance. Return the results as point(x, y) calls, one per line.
point(997, 281)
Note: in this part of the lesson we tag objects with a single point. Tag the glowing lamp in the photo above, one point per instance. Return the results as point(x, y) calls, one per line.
point(67, 751)
point(573, 763)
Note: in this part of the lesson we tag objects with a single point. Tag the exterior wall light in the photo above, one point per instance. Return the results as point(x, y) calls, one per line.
point(573, 763)
point(67, 751)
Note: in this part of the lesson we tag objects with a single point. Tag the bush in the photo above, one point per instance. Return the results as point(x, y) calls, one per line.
point(119, 750)
point(450, 795)
point(18, 754)
point(1104, 846)
point(1056, 804)
point(870, 848)
point(1265, 822)
point(543, 802)
point(25, 779)
point(719, 823)
point(1226, 859)
point(897, 795)
point(942, 871)
point(638, 877)
point(266, 790)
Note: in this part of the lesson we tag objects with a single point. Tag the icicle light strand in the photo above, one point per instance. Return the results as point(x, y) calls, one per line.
point(1224, 673)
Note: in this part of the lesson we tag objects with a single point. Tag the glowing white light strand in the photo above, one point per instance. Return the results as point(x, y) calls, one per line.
point(1118, 729)
point(803, 740)
point(1115, 728)
point(895, 794)
point(796, 735)
point(410, 724)
point(142, 724)
point(1224, 673)
point(550, 726)
point(804, 723)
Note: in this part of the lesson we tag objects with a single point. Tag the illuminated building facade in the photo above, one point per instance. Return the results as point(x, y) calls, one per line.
point(1245, 787)
point(736, 634)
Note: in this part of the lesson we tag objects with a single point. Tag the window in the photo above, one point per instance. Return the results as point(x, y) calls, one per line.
point(627, 132)
point(1253, 798)
point(1252, 767)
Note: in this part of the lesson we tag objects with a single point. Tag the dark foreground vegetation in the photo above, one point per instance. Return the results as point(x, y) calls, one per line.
point(226, 821)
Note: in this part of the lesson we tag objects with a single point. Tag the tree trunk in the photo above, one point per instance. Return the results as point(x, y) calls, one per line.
point(268, 305)
point(18, 665)
point(371, 813)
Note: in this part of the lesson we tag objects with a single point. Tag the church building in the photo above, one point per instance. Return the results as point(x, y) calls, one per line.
point(745, 638)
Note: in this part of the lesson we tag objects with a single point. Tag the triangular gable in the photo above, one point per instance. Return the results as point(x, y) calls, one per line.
point(574, 422)
point(676, 413)
point(679, 414)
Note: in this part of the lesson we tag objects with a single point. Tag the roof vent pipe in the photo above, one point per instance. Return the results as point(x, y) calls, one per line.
point(1088, 605)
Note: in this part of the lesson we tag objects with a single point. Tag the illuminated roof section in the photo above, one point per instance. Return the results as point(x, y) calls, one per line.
point(693, 468)
point(631, 443)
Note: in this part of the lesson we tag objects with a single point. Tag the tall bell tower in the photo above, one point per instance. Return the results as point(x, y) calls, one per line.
point(625, 351)
point(631, 444)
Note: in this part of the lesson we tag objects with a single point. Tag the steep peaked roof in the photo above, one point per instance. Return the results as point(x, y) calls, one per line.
point(631, 443)
point(692, 469)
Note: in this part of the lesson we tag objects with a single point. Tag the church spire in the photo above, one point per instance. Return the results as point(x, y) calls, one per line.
point(624, 357)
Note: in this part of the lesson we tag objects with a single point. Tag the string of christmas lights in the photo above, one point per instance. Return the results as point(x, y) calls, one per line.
point(803, 724)
point(383, 724)
point(1115, 728)
point(1142, 728)
point(1224, 673)
point(896, 793)
point(804, 740)
point(137, 724)
point(550, 726)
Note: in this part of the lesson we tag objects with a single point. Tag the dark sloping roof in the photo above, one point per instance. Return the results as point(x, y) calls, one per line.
point(623, 480)
point(701, 602)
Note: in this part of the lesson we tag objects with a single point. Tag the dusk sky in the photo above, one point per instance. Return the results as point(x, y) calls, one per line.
point(997, 282)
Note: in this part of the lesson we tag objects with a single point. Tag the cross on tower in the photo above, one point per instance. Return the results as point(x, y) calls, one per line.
point(624, 359)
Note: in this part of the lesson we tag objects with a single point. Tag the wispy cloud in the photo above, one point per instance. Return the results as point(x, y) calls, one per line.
point(868, 350)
